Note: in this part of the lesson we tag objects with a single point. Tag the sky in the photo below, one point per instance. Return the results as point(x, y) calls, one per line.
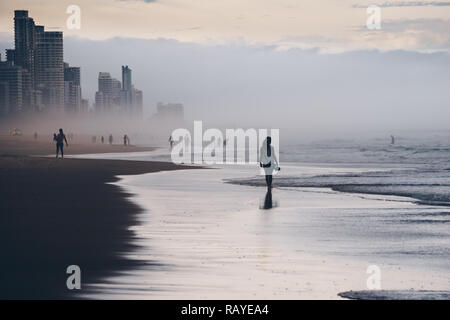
point(315, 61)
point(332, 25)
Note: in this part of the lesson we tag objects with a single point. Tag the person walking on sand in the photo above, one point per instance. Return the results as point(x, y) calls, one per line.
point(35, 135)
point(268, 161)
point(103, 140)
point(60, 138)
point(110, 139)
point(125, 140)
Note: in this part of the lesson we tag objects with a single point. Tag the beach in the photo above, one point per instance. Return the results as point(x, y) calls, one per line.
point(57, 213)
point(212, 240)
point(141, 227)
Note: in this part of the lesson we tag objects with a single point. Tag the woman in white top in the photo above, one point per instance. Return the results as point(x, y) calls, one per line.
point(268, 161)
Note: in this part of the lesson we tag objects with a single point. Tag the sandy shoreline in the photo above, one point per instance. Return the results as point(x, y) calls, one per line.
point(213, 241)
point(56, 213)
point(189, 235)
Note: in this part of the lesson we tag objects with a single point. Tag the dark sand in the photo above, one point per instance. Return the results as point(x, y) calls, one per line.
point(55, 213)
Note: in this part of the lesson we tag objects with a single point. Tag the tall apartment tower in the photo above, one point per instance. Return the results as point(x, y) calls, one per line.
point(108, 95)
point(38, 58)
point(24, 41)
point(49, 67)
point(11, 91)
point(131, 98)
point(126, 78)
point(72, 89)
point(23, 55)
point(127, 89)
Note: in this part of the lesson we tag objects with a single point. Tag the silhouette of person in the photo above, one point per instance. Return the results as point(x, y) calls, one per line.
point(35, 136)
point(268, 160)
point(110, 139)
point(170, 142)
point(392, 139)
point(60, 138)
point(125, 140)
point(102, 139)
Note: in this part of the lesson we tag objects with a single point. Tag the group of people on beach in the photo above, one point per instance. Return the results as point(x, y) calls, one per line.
point(126, 139)
point(268, 160)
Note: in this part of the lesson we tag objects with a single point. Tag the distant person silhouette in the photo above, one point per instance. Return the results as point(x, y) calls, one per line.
point(60, 138)
point(35, 136)
point(110, 139)
point(170, 142)
point(102, 139)
point(392, 139)
point(125, 140)
point(268, 160)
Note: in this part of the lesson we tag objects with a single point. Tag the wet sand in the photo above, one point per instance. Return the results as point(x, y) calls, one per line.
point(56, 213)
point(212, 240)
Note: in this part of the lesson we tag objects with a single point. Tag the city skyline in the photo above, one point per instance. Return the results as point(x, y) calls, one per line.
point(119, 98)
point(35, 78)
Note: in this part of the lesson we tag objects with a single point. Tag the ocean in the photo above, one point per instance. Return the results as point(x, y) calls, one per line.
point(339, 206)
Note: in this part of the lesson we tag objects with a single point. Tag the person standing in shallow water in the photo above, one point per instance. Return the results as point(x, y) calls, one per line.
point(60, 138)
point(268, 161)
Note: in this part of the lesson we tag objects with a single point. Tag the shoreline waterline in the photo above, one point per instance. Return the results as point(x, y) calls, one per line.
point(211, 241)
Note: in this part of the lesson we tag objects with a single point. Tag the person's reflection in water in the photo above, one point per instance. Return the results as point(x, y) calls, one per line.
point(268, 200)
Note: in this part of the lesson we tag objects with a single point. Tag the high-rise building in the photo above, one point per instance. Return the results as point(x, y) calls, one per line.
point(38, 57)
point(107, 98)
point(72, 88)
point(4, 98)
point(131, 98)
point(170, 111)
point(126, 78)
point(127, 89)
point(11, 78)
point(139, 103)
point(50, 67)
point(24, 41)
point(117, 98)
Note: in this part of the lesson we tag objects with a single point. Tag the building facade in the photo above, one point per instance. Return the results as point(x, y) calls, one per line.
point(36, 66)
